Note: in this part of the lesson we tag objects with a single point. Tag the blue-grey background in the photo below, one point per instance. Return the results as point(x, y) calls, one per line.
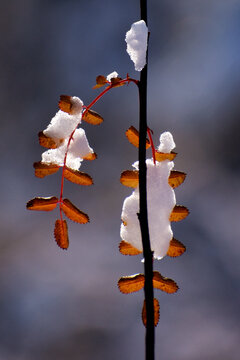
point(66, 305)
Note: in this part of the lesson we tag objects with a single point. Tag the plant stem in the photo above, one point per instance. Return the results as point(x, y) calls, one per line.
point(143, 216)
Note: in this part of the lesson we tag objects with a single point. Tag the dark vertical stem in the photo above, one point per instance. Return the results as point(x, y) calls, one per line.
point(143, 216)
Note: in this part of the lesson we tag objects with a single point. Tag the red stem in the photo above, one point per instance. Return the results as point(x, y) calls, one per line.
point(149, 131)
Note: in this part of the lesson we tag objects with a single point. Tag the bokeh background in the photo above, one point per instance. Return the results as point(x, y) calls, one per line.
point(66, 305)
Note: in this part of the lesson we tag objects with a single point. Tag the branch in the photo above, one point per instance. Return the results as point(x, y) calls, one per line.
point(143, 216)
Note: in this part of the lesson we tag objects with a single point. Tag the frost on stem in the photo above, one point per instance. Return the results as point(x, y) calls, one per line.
point(161, 201)
point(136, 39)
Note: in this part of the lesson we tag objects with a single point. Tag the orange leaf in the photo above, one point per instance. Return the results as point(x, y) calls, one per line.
point(129, 284)
point(164, 284)
point(179, 213)
point(130, 178)
point(176, 248)
point(90, 156)
point(156, 308)
point(92, 117)
point(116, 82)
point(165, 156)
point(42, 170)
point(100, 81)
point(133, 137)
point(61, 234)
point(42, 203)
point(73, 213)
point(127, 249)
point(47, 141)
point(77, 177)
point(65, 103)
point(176, 178)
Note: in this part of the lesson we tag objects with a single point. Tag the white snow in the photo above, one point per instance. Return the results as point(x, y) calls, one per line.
point(114, 74)
point(60, 128)
point(136, 39)
point(160, 199)
point(62, 125)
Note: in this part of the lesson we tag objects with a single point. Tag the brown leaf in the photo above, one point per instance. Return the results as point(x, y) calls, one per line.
point(65, 103)
point(133, 137)
point(116, 82)
point(165, 156)
point(127, 249)
point(90, 156)
point(156, 308)
point(176, 178)
point(176, 248)
point(179, 213)
point(61, 234)
point(130, 178)
point(92, 117)
point(164, 284)
point(73, 213)
point(43, 203)
point(47, 141)
point(129, 284)
point(100, 81)
point(77, 177)
point(42, 170)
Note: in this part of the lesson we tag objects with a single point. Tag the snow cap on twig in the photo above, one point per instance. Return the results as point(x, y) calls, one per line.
point(136, 39)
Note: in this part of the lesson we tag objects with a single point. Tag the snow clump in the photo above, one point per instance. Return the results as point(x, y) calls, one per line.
point(136, 39)
point(160, 201)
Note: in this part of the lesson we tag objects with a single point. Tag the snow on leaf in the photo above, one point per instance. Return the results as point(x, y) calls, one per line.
point(160, 156)
point(92, 117)
point(176, 248)
point(73, 213)
point(176, 178)
point(42, 170)
point(156, 308)
point(179, 213)
point(91, 156)
point(133, 137)
point(77, 177)
point(165, 284)
point(42, 203)
point(127, 249)
point(47, 141)
point(130, 178)
point(129, 284)
point(61, 234)
point(70, 104)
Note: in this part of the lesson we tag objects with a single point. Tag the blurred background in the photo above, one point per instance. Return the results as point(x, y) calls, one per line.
point(66, 305)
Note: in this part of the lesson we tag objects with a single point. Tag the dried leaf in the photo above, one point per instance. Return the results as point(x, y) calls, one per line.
point(43, 203)
point(42, 170)
point(176, 178)
point(77, 177)
point(130, 178)
point(129, 284)
point(179, 213)
point(156, 308)
point(65, 103)
point(90, 156)
point(73, 213)
point(100, 81)
point(164, 284)
point(92, 117)
point(165, 156)
point(127, 249)
point(47, 141)
point(116, 82)
point(176, 248)
point(61, 234)
point(133, 137)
